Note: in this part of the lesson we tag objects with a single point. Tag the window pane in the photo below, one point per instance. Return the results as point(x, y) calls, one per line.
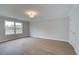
point(19, 28)
point(9, 27)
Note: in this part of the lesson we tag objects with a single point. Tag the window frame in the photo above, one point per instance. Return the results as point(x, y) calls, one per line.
point(14, 27)
point(6, 28)
point(21, 28)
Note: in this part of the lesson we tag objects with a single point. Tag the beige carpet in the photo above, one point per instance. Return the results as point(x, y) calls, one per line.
point(36, 46)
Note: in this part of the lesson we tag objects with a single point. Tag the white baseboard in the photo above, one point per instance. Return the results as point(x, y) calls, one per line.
point(51, 38)
point(75, 49)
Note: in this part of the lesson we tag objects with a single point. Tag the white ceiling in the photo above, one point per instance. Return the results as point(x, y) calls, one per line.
point(46, 11)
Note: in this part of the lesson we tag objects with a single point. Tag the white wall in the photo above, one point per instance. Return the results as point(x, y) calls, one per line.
point(74, 28)
point(55, 29)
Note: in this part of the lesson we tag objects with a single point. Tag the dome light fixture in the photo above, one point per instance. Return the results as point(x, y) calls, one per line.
point(31, 13)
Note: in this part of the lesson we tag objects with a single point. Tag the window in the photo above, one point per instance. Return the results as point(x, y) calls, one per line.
point(9, 27)
point(12, 27)
point(19, 27)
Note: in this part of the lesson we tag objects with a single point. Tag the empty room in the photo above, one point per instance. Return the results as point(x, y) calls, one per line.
point(39, 29)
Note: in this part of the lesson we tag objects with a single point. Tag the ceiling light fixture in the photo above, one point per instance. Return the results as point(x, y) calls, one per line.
point(31, 14)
